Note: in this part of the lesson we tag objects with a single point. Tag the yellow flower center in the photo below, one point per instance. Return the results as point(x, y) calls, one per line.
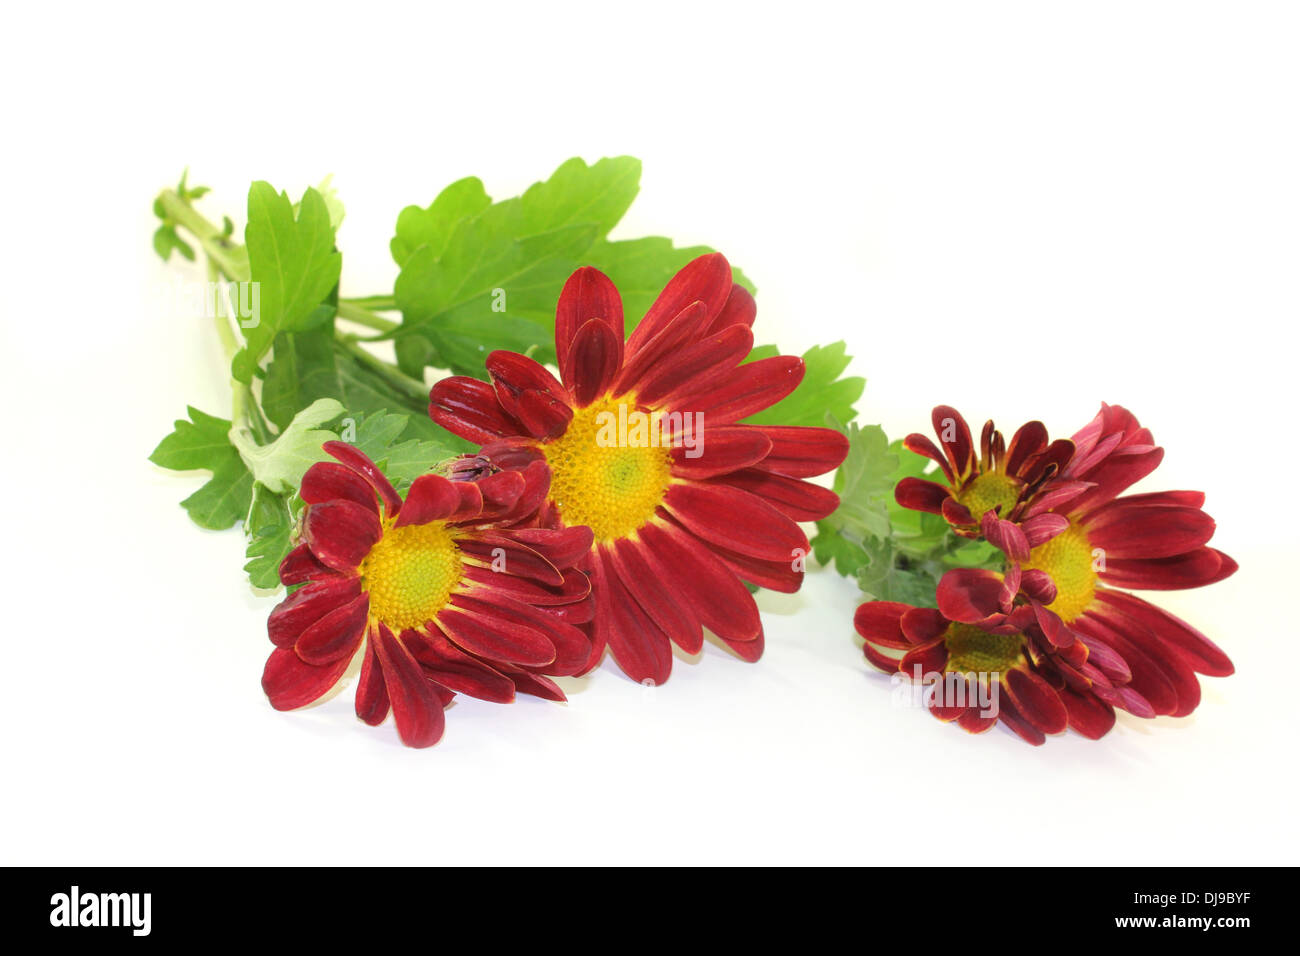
point(410, 574)
point(971, 650)
point(988, 491)
point(610, 468)
point(1068, 560)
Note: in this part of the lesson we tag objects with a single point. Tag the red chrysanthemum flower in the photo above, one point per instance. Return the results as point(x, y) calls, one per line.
point(450, 591)
point(1150, 542)
point(680, 521)
point(1002, 494)
point(1068, 648)
point(983, 666)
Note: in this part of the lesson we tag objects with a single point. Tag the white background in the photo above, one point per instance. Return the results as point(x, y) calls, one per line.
point(1019, 209)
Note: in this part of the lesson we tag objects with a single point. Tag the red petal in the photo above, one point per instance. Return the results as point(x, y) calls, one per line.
point(329, 480)
point(500, 492)
point(536, 685)
point(921, 495)
point(706, 279)
point(417, 709)
point(360, 462)
point(774, 575)
point(920, 445)
point(881, 661)
point(562, 547)
point(1193, 569)
point(469, 408)
point(543, 415)
point(735, 520)
point(746, 390)
point(593, 361)
point(640, 648)
point(880, 623)
point(1030, 439)
point(476, 628)
point(720, 450)
point(1027, 732)
point(797, 500)
point(587, 296)
point(704, 585)
point(1126, 530)
point(486, 548)
point(645, 581)
point(304, 607)
point(702, 361)
point(335, 635)
point(748, 651)
point(1005, 536)
point(1088, 716)
point(1036, 700)
point(290, 682)
point(685, 327)
point(372, 694)
point(969, 595)
point(300, 565)
point(569, 646)
point(974, 722)
point(800, 452)
point(1116, 473)
point(1197, 649)
point(574, 589)
point(451, 667)
point(471, 505)
point(954, 438)
point(513, 374)
point(431, 498)
point(340, 533)
point(922, 624)
point(739, 309)
point(930, 658)
point(1155, 680)
point(1042, 528)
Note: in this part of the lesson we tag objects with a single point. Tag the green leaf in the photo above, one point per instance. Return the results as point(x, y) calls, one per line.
point(270, 529)
point(311, 365)
point(895, 553)
point(887, 575)
point(166, 241)
point(224, 500)
point(203, 442)
point(640, 268)
point(494, 280)
point(864, 482)
point(333, 204)
point(379, 436)
point(821, 392)
point(280, 464)
point(492, 289)
point(432, 226)
point(293, 264)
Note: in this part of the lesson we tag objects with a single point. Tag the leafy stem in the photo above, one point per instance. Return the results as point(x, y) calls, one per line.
point(404, 383)
point(352, 311)
point(216, 244)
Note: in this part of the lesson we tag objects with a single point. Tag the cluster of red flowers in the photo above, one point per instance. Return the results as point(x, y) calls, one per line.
point(1057, 631)
point(563, 535)
point(624, 505)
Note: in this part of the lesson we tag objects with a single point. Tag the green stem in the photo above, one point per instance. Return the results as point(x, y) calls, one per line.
point(376, 303)
point(410, 386)
point(348, 309)
point(229, 343)
point(217, 246)
point(224, 259)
